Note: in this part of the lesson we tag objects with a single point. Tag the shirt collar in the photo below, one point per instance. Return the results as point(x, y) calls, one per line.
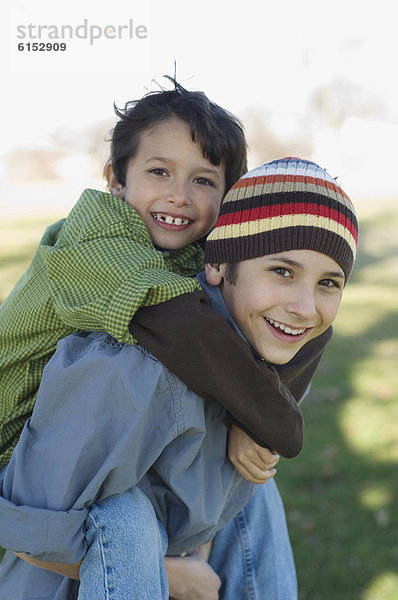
point(217, 301)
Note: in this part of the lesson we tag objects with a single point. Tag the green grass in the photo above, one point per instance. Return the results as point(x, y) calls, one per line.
point(341, 492)
point(18, 240)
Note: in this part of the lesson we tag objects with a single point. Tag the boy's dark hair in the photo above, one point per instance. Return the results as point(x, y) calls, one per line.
point(231, 272)
point(219, 133)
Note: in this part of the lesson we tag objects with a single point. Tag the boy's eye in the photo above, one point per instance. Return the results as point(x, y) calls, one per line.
point(158, 171)
point(204, 181)
point(330, 283)
point(282, 271)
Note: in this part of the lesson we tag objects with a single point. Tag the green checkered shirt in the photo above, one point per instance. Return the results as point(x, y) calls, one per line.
point(91, 271)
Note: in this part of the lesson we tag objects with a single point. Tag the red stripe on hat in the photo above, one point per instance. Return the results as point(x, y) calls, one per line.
point(242, 183)
point(294, 209)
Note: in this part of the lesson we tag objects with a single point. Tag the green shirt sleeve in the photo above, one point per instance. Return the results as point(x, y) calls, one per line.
point(99, 275)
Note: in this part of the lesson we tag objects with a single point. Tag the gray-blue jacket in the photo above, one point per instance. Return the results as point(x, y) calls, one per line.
point(110, 416)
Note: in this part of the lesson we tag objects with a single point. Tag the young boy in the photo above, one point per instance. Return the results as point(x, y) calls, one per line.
point(174, 154)
point(277, 262)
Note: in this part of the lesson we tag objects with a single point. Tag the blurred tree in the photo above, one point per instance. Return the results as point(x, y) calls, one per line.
point(340, 99)
point(32, 164)
point(270, 138)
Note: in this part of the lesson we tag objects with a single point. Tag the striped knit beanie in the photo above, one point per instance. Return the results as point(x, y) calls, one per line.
point(286, 204)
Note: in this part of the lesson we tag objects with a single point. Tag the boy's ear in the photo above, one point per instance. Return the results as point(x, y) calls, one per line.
point(115, 188)
point(214, 273)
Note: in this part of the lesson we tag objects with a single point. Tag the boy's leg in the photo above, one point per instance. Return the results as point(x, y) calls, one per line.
point(127, 545)
point(252, 554)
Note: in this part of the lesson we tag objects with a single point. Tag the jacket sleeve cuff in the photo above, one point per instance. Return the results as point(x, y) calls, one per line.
point(37, 532)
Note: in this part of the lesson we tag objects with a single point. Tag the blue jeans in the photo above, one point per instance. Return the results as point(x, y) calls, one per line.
point(252, 554)
point(127, 544)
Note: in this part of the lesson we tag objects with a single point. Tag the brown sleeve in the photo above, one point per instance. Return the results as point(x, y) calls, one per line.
point(199, 346)
point(297, 373)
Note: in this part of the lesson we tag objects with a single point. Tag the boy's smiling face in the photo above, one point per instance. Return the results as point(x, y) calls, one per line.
point(282, 301)
point(174, 189)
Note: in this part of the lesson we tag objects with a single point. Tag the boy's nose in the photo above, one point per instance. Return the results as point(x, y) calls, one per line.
point(179, 194)
point(302, 302)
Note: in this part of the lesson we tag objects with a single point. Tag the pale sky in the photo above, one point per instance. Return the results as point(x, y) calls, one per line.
point(259, 53)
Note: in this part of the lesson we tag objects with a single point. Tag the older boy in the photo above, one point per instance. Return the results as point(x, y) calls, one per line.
point(277, 262)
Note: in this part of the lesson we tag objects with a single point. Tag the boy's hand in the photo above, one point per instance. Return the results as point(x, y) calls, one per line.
point(253, 462)
point(70, 571)
point(191, 578)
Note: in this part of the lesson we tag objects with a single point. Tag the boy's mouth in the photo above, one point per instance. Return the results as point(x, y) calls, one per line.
point(169, 220)
point(284, 328)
